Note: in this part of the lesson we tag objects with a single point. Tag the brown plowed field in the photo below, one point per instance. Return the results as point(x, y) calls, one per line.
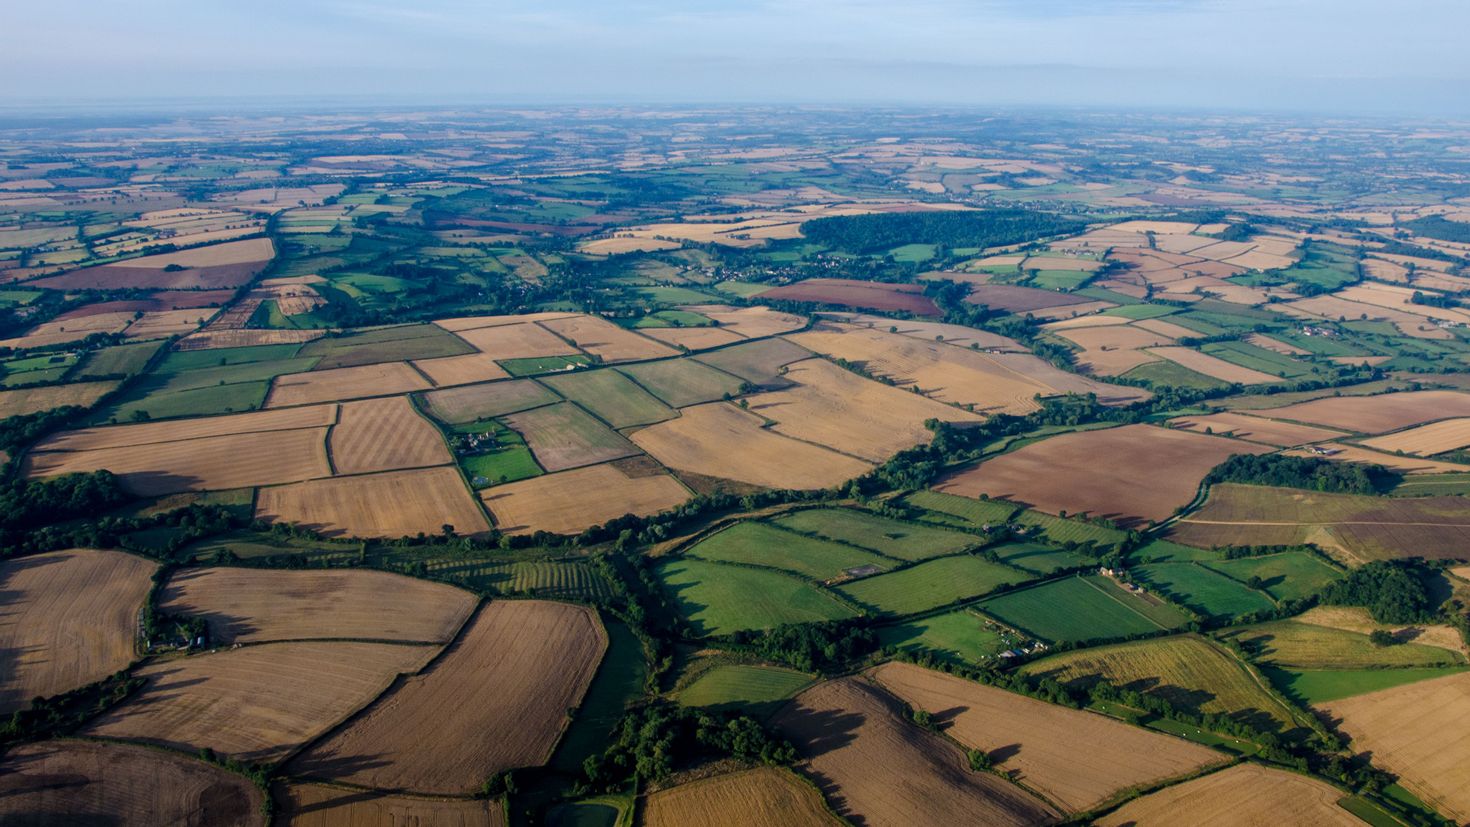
point(720, 440)
point(448, 371)
point(214, 463)
point(500, 696)
point(867, 295)
point(70, 783)
point(1246, 795)
point(317, 805)
point(875, 766)
point(260, 605)
point(68, 620)
point(117, 436)
point(846, 412)
point(389, 504)
point(337, 384)
point(385, 435)
point(1426, 440)
point(766, 795)
point(569, 501)
point(1375, 414)
point(467, 404)
point(1255, 429)
point(1417, 732)
point(1132, 474)
point(517, 341)
point(257, 703)
point(600, 337)
point(1077, 759)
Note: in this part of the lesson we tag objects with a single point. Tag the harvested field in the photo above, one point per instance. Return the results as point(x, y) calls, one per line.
point(501, 694)
point(564, 436)
point(214, 463)
point(599, 337)
point(1292, 643)
point(472, 402)
point(338, 384)
point(1357, 619)
point(390, 504)
point(318, 805)
point(611, 396)
point(258, 703)
point(1012, 299)
point(448, 371)
point(570, 501)
point(473, 322)
point(385, 435)
point(873, 765)
point(35, 400)
point(751, 322)
point(68, 621)
point(210, 339)
point(396, 343)
point(759, 363)
point(1246, 794)
point(517, 341)
point(693, 338)
point(212, 267)
point(866, 295)
point(720, 440)
point(1375, 414)
point(123, 436)
point(1076, 759)
point(840, 410)
point(1346, 452)
point(68, 783)
point(1355, 529)
point(934, 331)
point(245, 605)
point(766, 795)
point(1426, 440)
point(1132, 474)
point(1417, 732)
point(683, 382)
point(1213, 366)
point(1255, 429)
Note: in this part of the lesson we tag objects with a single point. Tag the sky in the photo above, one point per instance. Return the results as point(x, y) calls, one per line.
point(1348, 56)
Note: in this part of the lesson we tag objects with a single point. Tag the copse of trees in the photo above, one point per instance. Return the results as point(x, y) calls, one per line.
point(988, 228)
point(654, 741)
point(1311, 473)
point(1392, 591)
point(811, 647)
point(1435, 226)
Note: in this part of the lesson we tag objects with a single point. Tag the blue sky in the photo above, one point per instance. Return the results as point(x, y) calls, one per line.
point(1347, 55)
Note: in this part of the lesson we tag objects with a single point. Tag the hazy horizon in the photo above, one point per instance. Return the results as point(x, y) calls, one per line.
point(1346, 57)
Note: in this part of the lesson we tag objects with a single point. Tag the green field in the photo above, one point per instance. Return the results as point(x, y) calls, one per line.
point(186, 360)
point(1071, 609)
point(564, 579)
point(1038, 558)
point(743, 688)
point(1164, 372)
point(172, 390)
point(1313, 686)
point(1292, 575)
point(718, 599)
point(125, 360)
point(1059, 531)
point(678, 295)
point(1293, 643)
point(1131, 311)
point(906, 541)
point(681, 382)
point(674, 318)
point(537, 365)
point(611, 396)
point(389, 344)
point(929, 585)
point(619, 680)
point(959, 635)
point(1058, 279)
point(759, 544)
point(1258, 358)
point(246, 396)
point(1424, 485)
point(1163, 551)
point(509, 461)
point(1202, 589)
point(963, 511)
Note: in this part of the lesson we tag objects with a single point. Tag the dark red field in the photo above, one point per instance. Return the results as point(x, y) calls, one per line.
point(866, 295)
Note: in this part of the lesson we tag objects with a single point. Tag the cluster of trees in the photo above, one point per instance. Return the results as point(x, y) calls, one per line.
point(1436, 226)
point(1311, 473)
point(653, 741)
point(884, 231)
point(26, 504)
point(812, 647)
point(1435, 300)
point(1393, 591)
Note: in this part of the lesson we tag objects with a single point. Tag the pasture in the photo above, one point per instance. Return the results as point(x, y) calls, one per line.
point(738, 686)
point(400, 343)
point(893, 538)
point(1291, 575)
point(929, 585)
point(960, 635)
point(719, 599)
point(1203, 589)
point(760, 544)
point(766, 795)
point(1074, 609)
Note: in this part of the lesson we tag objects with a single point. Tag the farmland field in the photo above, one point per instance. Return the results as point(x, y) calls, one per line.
point(1310, 646)
point(564, 436)
point(339, 384)
point(389, 344)
point(759, 544)
point(930, 584)
point(1040, 559)
point(683, 382)
point(1287, 576)
point(742, 687)
point(1203, 589)
point(1243, 794)
point(767, 795)
point(960, 635)
point(472, 402)
point(1425, 440)
point(318, 805)
point(1321, 686)
point(1073, 609)
point(384, 435)
point(388, 504)
point(757, 362)
point(906, 541)
point(718, 599)
point(867, 295)
point(611, 396)
point(569, 501)
point(1375, 414)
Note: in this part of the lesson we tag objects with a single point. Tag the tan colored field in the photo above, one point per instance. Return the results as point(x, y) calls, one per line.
point(69, 620)
point(599, 337)
point(59, 331)
point(461, 370)
point(569, 501)
point(501, 694)
point(1345, 452)
point(1375, 414)
point(876, 766)
point(1068, 311)
point(214, 463)
point(766, 795)
point(953, 334)
point(1426, 440)
point(35, 400)
point(256, 703)
point(1331, 307)
point(338, 384)
point(1112, 338)
point(1076, 759)
point(69, 783)
point(1263, 341)
point(390, 504)
point(144, 433)
point(1255, 429)
point(1357, 619)
point(492, 399)
point(1398, 298)
point(517, 341)
point(751, 322)
point(1213, 366)
point(261, 605)
point(1165, 328)
point(459, 323)
point(161, 323)
point(1131, 474)
point(318, 805)
point(1245, 795)
point(625, 244)
point(1087, 321)
point(385, 435)
point(693, 338)
point(211, 339)
point(720, 440)
point(846, 412)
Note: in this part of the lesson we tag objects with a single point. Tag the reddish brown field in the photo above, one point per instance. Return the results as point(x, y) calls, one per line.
point(1133, 474)
point(68, 620)
point(1375, 414)
point(867, 295)
point(213, 267)
point(162, 300)
point(70, 783)
point(501, 695)
point(317, 805)
point(1013, 299)
point(873, 765)
point(260, 605)
point(384, 435)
